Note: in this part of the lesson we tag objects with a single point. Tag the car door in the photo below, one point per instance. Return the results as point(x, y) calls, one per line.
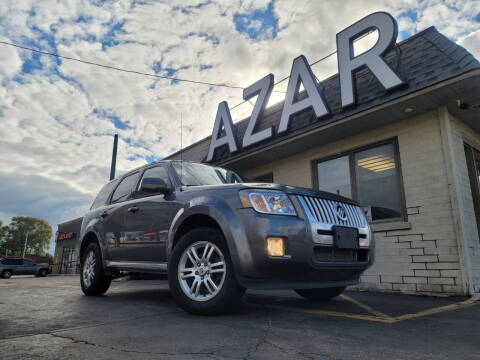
point(113, 215)
point(148, 218)
point(28, 267)
point(17, 266)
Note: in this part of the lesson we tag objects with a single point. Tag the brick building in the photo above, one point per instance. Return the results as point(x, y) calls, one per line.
point(65, 259)
point(410, 156)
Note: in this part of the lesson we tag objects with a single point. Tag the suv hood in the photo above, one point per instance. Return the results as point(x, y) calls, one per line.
point(291, 190)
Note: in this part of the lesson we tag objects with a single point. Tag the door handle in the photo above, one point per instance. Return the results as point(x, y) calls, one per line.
point(133, 209)
point(104, 214)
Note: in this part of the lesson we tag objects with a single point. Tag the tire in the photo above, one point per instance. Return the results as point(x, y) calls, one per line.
point(93, 279)
point(6, 274)
point(320, 295)
point(203, 298)
point(42, 273)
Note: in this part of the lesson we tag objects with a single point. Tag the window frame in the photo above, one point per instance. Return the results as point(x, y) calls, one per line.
point(353, 178)
point(107, 198)
point(110, 197)
point(140, 178)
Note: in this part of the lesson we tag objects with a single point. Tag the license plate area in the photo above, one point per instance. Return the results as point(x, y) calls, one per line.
point(345, 237)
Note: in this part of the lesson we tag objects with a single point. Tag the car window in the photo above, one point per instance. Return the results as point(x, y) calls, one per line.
point(13, 262)
point(158, 172)
point(124, 189)
point(103, 195)
point(27, 262)
point(193, 174)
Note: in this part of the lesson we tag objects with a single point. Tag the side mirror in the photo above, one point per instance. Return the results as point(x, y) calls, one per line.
point(154, 185)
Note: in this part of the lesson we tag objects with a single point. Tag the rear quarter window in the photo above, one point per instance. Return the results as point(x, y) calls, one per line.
point(103, 195)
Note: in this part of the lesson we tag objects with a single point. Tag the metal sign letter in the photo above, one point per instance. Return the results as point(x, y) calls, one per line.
point(302, 73)
point(263, 88)
point(348, 63)
point(223, 118)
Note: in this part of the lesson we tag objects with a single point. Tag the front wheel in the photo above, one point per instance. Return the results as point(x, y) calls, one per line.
point(93, 279)
point(320, 295)
point(200, 273)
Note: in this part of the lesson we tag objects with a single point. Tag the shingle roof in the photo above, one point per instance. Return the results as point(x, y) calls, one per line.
point(422, 60)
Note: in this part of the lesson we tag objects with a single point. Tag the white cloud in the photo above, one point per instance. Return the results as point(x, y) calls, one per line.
point(472, 43)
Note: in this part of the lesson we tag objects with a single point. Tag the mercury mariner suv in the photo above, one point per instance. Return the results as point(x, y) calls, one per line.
point(216, 235)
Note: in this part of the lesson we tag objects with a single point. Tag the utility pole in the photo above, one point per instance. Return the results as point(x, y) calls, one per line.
point(25, 246)
point(114, 157)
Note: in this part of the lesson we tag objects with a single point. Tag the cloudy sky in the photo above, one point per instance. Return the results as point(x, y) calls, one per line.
point(58, 117)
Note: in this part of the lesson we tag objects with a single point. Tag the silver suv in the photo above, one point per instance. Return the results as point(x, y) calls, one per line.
point(20, 266)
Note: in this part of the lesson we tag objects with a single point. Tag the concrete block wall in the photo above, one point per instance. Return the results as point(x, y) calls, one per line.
point(421, 254)
point(470, 242)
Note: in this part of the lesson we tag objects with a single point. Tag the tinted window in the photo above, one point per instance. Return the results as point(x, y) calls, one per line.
point(28, 262)
point(378, 184)
point(334, 176)
point(371, 175)
point(158, 172)
point(125, 188)
point(103, 195)
point(13, 262)
point(192, 174)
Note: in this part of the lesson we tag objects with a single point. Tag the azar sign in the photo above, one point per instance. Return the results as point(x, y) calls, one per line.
point(301, 73)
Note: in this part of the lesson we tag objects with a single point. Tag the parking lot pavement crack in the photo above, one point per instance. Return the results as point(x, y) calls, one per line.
point(265, 341)
point(311, 356)
point(105, 323)
point(209, 354)
point(263, 338)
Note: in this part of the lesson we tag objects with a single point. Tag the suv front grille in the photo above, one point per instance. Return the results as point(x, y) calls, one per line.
point(323, 211)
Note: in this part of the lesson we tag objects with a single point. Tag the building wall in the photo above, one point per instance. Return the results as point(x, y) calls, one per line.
point(59, 266)
point(420, 255)
point(469, 244)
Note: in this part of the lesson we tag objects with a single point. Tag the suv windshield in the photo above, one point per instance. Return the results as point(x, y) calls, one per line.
point(193, 174)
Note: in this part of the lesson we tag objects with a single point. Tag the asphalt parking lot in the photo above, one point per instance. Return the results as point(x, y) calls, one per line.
point(49, 318)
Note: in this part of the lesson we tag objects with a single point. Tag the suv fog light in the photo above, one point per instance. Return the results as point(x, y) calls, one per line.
point(275, 247)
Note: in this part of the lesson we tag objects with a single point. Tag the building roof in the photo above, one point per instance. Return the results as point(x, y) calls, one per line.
point(423, 60)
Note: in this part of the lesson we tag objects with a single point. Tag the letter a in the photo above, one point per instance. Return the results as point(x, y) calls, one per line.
point(302, 74)
point(223, 118)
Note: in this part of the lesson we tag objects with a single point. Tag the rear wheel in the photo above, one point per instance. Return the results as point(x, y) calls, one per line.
point(322, 294)
point(6, 274)
point(200, 273)
point(93, 279)
point(42, 273)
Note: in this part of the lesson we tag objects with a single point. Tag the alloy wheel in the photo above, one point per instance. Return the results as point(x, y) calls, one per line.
point(201, 271)
point(88, 272)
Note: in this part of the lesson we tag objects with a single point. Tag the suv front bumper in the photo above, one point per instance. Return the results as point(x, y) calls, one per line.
point(306, 264)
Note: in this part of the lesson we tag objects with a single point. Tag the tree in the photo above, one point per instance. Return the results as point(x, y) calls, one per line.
point(3, 233)
point(39, 235)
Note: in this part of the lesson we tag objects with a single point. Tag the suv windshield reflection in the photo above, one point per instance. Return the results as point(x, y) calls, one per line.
point(193, 174)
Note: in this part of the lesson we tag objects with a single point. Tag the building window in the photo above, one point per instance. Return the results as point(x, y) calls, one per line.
point(334, 176)
point(370, 175)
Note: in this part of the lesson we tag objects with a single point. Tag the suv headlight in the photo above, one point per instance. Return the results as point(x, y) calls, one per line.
point(268, 202)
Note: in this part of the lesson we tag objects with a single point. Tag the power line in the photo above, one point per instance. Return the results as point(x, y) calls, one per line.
point(119, 69)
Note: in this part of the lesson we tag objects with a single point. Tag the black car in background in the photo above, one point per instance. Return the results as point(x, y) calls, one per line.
point(216, 235)
point(20, 266)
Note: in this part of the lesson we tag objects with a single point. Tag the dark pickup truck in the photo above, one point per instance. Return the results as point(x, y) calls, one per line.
point(216, 235)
